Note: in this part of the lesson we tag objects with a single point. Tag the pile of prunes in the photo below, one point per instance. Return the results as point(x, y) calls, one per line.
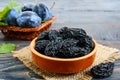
point(64, 43)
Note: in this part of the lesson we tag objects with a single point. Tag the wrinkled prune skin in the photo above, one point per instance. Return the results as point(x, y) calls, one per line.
point(40, 45)
point(59, 39)
point(78, 33)
point(72, 52)
point(65, 32)
point(77, 51)
point(48, 35)
point(53, 34)
point(72, 33)
point(69, 42)
point(86, 42)
point(43, 36)
point(69, 49)
point(52, 49)
point(103, 70)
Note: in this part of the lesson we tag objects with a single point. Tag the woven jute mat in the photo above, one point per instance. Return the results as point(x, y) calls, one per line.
point(104, 54)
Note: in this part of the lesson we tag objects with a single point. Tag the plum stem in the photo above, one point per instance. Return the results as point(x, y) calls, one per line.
point(52, 5)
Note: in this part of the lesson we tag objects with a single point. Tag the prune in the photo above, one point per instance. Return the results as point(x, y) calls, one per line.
point(43, 36)
point(52, 49)
point(53, 34)
point(78, 52)
point(103, 70)
point(65, 33)
point(69, 42)
point(86, 41)
point(41, 44)
point(72, 33)
point(48, 35)
point(28, 7)
point(11, 17)
point(28, 19)
point(65, 50)
point(42, 10)
point(72, 52)
point(78, 33)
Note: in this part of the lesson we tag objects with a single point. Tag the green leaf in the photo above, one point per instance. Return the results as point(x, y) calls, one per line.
point(12, 4)
point(3, 24)
point(7, 47)
point(4, 13)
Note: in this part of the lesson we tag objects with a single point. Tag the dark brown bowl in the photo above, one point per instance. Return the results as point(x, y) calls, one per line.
point(62, 65)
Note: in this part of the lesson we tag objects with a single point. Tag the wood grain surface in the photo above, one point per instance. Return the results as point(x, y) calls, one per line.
point(100, 19)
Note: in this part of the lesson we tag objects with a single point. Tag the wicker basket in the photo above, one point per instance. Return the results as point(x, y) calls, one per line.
point(25, 33)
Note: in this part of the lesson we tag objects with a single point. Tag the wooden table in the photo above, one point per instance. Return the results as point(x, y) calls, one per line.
point(100, 18)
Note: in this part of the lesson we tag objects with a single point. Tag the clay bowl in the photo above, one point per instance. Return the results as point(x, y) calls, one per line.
point(61, 65)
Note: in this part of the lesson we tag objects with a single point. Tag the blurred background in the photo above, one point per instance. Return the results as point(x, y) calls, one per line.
point(81, 11)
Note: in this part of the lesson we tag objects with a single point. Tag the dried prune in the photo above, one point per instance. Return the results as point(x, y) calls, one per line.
point(43, 36)
point(86, 41)
point(103, 70)
point(52, 48)
point(77, 33)
point(72, 33)
point(53, 34)
point(72, 52)
point(78, 52)
point(41, 44)
point(69, 42)
point(64, 51)
point(65, 33)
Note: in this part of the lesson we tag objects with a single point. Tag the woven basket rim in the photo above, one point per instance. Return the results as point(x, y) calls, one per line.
point(20, 29)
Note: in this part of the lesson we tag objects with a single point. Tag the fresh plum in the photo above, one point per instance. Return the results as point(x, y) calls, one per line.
point(28, 19)
point(42, 10)
point(28, 7)
point(11, 17)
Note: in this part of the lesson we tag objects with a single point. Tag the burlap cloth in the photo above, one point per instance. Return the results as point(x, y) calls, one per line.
point(103, 54)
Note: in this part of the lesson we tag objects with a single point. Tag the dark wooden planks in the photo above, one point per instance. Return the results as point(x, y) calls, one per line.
point(13, 69)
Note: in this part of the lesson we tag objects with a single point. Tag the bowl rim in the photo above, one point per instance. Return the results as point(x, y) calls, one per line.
point(32, 45)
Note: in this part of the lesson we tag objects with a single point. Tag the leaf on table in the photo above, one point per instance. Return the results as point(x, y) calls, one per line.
point(7, 47)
